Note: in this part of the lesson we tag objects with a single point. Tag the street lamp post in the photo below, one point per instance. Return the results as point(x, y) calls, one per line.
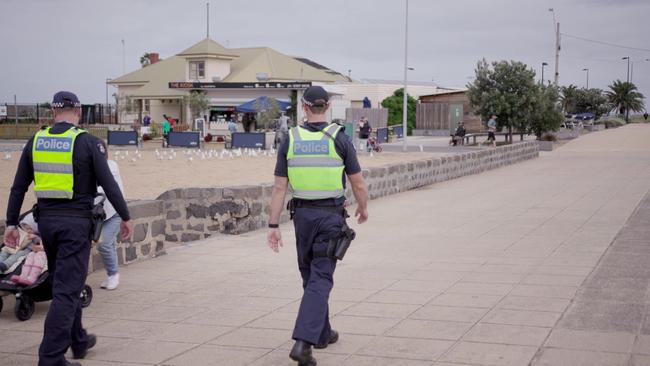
point(557, 46)
point(587, 70)
point(108, 108)
point(405, 100)
point(543, 64)
point(627, 112)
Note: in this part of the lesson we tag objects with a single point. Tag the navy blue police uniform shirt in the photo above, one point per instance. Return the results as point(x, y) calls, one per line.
point(344, 149)
point(90, 169)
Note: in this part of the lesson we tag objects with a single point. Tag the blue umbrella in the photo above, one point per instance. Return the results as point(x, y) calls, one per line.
point(262, 102)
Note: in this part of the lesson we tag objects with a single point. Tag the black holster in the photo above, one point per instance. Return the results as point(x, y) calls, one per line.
point(339, 245)
point(98, 215)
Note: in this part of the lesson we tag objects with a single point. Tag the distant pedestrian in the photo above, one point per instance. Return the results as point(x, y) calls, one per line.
point(459, 134)
point(492, 128)
point(232, 123)
point(364, 132)
point(166, 129)
point(146, 120)
point(645, 116)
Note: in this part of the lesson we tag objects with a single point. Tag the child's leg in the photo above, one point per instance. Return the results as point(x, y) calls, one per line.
point(38, 262)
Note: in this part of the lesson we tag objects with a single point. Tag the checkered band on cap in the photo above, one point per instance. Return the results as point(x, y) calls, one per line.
point(63, 105)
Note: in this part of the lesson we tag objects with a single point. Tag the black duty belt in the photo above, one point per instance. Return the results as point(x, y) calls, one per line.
point(86, 214)
point(294, 204)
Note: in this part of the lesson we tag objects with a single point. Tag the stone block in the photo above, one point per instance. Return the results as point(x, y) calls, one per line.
point(256, 208)
point(157, 228)
point(235, 208)
point(172, 215)
point(141, 209)
point(160, 246)
point(243, 192)
point(130, 253)
point(176, 227)
point(140, 232)
point(196, 210)
point(171, 194)
point(145, 249)
point(171, 237)
point(197, 227)
point(185, 237)
point(215, 227)
point(120, 255)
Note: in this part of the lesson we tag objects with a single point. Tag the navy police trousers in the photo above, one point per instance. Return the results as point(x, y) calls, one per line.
point(314, 228)
point(67, 245)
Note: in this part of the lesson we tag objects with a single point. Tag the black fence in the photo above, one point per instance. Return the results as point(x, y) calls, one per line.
point(41, 113)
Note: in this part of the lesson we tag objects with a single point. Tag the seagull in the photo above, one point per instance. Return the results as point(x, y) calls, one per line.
point(170, 157)
point(133, 160)
point(7, 157)
point(421, 148)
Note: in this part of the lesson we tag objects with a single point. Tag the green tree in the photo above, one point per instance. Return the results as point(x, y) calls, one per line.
point(198, 102)
point(623, 96)
point(546, 115)
point(591, 101)
point(507, 89)
point(395, 104)
point(267, 113)
point(568, 98)
point(145, 59)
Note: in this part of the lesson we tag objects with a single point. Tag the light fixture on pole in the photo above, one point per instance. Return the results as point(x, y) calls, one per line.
point(587, 70)
point(543, 64)
point(557, 46)
point(627, 112)
point(405, 100)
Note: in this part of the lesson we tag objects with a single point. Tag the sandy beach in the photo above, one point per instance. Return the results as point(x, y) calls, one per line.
point(146, 174)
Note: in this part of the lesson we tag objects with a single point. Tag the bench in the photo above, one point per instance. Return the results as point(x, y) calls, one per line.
point(473, 136)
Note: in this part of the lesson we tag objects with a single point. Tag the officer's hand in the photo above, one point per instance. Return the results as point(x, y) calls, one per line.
point(361, 215)
point(126, 230)
point(11, 238)
point(274, 239)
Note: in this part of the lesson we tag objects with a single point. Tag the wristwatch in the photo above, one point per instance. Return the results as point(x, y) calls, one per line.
point(274, 226)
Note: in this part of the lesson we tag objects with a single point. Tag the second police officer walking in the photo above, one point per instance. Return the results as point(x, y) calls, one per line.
point(314, 161)
point(66, 165)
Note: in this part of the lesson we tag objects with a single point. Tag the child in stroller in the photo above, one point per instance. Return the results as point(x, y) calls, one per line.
point(29, 248)
point(26, 274)
point(373, 145)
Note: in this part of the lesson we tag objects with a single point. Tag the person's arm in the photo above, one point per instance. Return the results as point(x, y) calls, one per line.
point(24, 177)
point(280, 184)
point(274, 236)
point(111, 189)
point(360, 192)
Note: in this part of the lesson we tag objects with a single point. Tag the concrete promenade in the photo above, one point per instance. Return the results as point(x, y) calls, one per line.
point(545, 262)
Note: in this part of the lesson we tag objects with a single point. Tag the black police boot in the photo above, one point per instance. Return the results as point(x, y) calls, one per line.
point(334, 337)
point(68, 363)
point(92, 341)
point(301, 353)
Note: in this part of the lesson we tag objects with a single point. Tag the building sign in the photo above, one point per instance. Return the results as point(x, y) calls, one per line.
point(264, 85)
point(3, 111)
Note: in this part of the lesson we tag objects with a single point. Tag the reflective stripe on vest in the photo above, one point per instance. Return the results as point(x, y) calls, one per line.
point(52, 158)
point(315, 169)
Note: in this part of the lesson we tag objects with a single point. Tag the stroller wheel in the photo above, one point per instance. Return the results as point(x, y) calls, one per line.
point(86, 296)
point(24, 308)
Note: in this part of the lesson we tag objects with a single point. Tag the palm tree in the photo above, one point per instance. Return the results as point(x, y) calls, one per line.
point(145, 59)
point(568, 98)
point(624, 97)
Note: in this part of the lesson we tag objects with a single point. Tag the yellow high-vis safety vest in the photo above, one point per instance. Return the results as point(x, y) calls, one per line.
point(52, 158)
point(315, 169)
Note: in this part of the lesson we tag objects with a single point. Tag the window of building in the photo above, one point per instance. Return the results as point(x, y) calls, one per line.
point(197, 69)
point(147, 105)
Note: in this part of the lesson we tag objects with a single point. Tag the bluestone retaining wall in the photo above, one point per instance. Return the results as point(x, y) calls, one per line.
point(187, 214)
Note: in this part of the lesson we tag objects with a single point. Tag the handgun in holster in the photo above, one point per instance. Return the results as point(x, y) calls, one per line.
point(339, 245)
point(98, 217)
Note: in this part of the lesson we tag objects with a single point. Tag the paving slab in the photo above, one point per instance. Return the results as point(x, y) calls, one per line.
point(508, 267)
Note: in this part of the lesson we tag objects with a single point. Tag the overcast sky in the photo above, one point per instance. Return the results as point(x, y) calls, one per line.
point(49, 45)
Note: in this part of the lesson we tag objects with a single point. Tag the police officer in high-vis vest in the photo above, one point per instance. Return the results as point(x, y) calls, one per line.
point(314, 161)
point(66, 165)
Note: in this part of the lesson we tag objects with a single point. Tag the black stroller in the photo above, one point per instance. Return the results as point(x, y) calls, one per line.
point(27, 296)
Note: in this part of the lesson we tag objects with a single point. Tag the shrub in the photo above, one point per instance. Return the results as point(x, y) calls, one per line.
point(549, 137)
